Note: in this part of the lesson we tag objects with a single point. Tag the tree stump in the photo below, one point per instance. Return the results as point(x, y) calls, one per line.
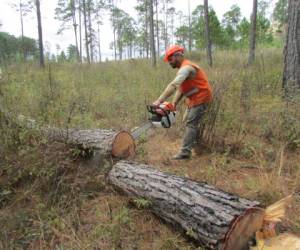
point(119, 144)
point(214, 218)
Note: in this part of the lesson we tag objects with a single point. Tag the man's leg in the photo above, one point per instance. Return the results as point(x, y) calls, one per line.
point(194, 116)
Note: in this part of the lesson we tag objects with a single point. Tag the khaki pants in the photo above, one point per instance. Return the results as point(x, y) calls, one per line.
point(192, 119)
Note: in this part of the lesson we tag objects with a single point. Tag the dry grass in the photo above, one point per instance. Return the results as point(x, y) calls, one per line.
point(51, 199)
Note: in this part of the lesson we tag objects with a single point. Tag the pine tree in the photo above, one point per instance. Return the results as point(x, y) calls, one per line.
point(207, 34)
point(40, 32)
point(291, 73)
point(252, 42)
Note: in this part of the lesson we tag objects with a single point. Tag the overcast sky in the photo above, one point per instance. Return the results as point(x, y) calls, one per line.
point(11, 22)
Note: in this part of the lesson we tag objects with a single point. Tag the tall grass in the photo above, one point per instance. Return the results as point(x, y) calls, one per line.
point(114, 95)
point(250, 121)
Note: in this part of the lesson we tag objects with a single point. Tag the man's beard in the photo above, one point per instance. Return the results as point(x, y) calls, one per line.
point(173, 65)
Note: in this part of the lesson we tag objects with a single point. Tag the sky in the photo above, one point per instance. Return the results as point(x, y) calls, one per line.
point(10, 20)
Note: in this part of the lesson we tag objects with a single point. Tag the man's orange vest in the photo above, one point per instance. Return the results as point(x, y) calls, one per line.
point(199, 87)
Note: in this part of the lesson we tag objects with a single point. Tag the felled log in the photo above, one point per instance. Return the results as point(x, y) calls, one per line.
point(214, 218)
point(119, 144)
point(99, 142)
point(104, 142)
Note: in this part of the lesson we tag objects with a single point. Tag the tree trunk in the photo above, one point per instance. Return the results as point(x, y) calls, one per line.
point(80, 31)
point(22, 30)
point(251, 57)
point(40, 31)
point(157, 28)
point(90, 31)
point(146, 38)
point(105, 142)
point(86, 32)
point(207, 34)
point(99, 44)
point(114, 27)
point(166, 24)
point(118, 144)
point(119, 41)
point(190, 28)
point(216, 219)
point(291, 73)
point(152, 41)
point(73, 9)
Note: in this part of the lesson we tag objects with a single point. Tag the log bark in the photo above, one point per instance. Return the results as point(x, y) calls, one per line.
point(100, 142)
point(291, 72)
point(119, 144)
point(214, 218)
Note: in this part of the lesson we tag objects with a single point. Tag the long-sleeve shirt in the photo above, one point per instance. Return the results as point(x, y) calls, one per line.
point(185, 72)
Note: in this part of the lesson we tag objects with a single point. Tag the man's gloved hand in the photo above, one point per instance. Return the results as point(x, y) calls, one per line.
point(156, 103)
point(164, 105)
point(170, 106)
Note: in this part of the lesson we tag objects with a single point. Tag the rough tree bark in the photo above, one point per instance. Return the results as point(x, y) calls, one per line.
point(291, 73)
point(216, 219)
point(105, 142)
point(100, 142)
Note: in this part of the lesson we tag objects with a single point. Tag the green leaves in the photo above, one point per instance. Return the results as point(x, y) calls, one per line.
point(12, 47)
point(280, 12)
point(142, 203)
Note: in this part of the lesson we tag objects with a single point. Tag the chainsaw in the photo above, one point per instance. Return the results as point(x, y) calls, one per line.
point(161, 116)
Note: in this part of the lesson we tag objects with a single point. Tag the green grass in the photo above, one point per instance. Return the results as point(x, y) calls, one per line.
point(114, 95)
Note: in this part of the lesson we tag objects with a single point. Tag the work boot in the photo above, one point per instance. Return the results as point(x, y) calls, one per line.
point(181, 156)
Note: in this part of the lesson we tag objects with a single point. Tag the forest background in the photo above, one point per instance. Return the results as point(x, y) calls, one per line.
point(51, 197)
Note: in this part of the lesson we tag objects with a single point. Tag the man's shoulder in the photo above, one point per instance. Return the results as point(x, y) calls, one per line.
point(187, 68)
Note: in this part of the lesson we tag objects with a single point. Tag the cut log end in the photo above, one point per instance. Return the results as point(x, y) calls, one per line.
point(243, 228)
point(123, 146)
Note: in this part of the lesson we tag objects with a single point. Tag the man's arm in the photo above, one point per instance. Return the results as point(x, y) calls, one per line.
point(182, 74)
point(178, 96)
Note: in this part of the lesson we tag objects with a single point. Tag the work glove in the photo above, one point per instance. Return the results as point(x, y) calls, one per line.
point(156, 103)
point(169, 106)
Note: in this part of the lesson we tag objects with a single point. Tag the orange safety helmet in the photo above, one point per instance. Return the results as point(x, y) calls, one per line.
point(171, 50)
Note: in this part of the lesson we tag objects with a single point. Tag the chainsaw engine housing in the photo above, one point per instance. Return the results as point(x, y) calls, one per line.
point(162, 116)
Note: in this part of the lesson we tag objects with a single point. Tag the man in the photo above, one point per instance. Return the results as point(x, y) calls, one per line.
point(190, 82)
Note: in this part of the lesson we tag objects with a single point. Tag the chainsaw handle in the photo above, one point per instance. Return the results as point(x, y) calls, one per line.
point(152, 108)
point(167, 106)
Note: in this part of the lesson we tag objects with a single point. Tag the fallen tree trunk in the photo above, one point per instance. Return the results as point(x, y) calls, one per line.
point(118, 144)
point(216, 219)
point(108, 142)
point(100, 142)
